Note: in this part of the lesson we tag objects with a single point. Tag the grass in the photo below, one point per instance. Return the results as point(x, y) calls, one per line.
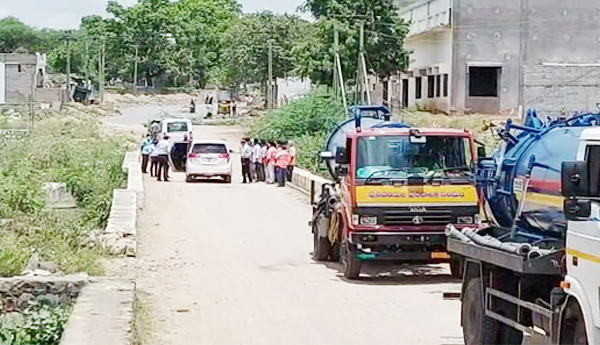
point(144, 325)
point(61, 148)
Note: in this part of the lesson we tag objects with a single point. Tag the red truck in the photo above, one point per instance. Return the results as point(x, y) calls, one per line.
point(396, 188)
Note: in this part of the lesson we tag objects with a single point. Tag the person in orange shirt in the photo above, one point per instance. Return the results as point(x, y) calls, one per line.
point(293, 160)
point(271, 160)
point(283, 161)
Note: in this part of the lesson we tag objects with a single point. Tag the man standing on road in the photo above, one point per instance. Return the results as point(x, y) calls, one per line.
point(257, 160)
point(154, 160)
point(283, 161)
point(162, 151)
point(146, 150)
point(292, 152)
point(271, 162)
point(246, 157)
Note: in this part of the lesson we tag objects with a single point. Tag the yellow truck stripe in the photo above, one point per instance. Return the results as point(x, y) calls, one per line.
point(583, 255)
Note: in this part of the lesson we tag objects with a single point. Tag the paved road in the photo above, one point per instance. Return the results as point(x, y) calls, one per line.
point(230, 264)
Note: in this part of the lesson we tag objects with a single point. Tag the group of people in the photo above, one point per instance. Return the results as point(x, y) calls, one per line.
point(157, 153)
point(268, 162)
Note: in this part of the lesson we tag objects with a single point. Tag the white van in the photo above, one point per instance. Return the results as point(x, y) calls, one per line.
point(180, 130)
point(181, 134)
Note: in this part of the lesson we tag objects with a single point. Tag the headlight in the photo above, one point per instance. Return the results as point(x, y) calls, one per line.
point(355, 218)
point(368, 220)
point(464, 220)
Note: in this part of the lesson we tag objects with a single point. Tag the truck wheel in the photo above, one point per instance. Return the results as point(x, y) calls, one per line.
point(456, 266)
point(350, 262)
point(573, 326)
point(478, 329)
point(322, 247)
point(334, 255)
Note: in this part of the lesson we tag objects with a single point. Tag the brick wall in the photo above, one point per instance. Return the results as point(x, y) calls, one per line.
point(19, 82)
point(551, 89)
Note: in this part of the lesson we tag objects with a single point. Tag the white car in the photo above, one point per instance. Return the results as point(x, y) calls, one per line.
point(209, 158)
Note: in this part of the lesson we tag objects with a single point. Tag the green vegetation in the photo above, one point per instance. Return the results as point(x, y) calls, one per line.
point(310, 121)
point(189, 43)
point(42, 324)
point(59, 149)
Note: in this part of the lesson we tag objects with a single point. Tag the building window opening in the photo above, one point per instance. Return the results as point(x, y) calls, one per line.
point(418, 87)
point(430, 86)
point(438, 85)
point(483, 81)
point(19, 68)
point(445, 85)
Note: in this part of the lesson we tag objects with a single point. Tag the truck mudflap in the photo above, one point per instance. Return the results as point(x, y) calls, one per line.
point(385, 246)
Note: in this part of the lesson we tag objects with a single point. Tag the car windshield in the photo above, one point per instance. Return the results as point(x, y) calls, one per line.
point(209, 148)
point(388, 157)
point(177, 127)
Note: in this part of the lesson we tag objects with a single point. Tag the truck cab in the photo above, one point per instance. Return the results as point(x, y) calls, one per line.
point(397, 189)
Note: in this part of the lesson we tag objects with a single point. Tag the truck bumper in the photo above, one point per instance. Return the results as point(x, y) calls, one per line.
point(417, 247)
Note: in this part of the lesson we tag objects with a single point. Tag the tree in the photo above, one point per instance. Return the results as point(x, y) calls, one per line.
point(384, 38)
point(246, 43)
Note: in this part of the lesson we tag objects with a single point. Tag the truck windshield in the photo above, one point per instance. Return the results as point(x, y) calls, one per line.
point(388, 157)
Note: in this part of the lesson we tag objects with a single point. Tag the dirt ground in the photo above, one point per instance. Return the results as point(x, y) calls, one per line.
point(231, 264)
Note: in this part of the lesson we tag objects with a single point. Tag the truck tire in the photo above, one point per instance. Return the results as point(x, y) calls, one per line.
point(456, 266)
point(572, 330)
point(350, 263)
point(322, 247)
point(478, 329)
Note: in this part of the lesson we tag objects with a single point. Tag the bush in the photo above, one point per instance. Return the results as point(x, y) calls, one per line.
point(59, 149)
point(41, 325)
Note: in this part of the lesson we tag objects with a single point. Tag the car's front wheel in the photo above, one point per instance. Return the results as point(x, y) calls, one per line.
point(227, 179)
point(189, 179)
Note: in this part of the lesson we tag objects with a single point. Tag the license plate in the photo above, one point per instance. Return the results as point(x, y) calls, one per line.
point(440, 255)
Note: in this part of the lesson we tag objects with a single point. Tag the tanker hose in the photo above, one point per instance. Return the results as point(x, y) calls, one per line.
point(334, 225)
point(453, 232)
point(537, 253)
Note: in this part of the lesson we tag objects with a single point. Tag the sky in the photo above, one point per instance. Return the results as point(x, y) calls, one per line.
point(66, 14)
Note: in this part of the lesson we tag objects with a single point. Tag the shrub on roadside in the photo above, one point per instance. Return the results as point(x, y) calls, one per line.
point(69, 150)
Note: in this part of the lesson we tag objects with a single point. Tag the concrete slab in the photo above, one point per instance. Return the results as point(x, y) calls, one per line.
point(103, 314)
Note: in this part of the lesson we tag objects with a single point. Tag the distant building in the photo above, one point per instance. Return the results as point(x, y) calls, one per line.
point(17, 77)
point(24, 77)
point(491, 56)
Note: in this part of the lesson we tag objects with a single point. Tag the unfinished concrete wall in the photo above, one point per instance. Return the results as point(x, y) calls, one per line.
point(19, 82)
point(552, 89)
point(486, 33)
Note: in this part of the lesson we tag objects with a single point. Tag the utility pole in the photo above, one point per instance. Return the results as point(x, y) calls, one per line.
point(135, 70)
point(270, 86)
point(362, 76)
point(338, 77)
point(68, 39)
point(101, 69)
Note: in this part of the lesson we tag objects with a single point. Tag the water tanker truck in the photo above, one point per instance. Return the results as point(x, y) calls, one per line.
point(395, 190)
point(533, 274)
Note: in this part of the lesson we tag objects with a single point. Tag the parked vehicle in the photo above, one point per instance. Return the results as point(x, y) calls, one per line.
point(534, 274)
point(396, 189)
point(181, 133)
point(209, 158)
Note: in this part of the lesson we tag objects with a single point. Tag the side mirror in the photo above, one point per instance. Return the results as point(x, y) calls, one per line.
point(342, 170)
point(230, 151)
point(574, 179)
point(481, 152)
point(577, 209)
point(341, 156)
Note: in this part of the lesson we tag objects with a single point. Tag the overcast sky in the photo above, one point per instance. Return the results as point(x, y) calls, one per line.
point(66, 14)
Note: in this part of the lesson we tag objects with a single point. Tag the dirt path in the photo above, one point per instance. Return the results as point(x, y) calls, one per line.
point(230, 264)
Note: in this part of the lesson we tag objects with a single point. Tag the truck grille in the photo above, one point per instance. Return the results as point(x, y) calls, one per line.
point(405, 217)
